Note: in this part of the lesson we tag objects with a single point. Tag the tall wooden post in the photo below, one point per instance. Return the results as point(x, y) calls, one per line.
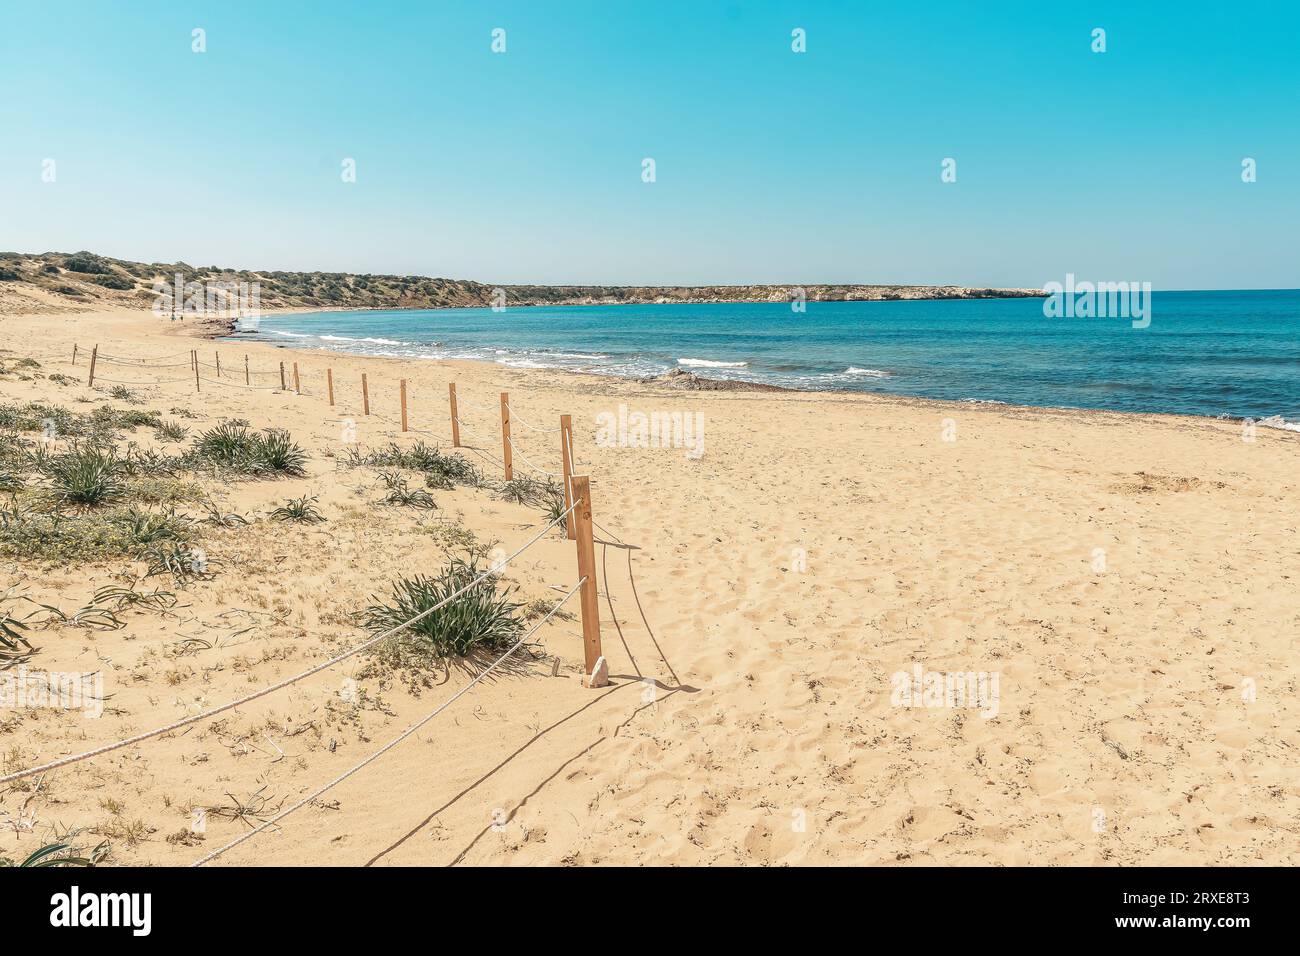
point(506, 457)
point(404, 428)
point(195, 355)
point(74, 353)
point(329, 383)
point(566, 462)
point(297, 386)
point(283, 387)
point(218, 354)
point(595, 670)
point(94, 354)
point(455, 416)
point(248, 376)
point(365, 394)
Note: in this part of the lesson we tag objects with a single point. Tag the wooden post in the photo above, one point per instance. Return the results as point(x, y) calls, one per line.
point(297, 387)
point(404, 428)
point(94, 354)
point(248, 378)
point(365, 394)
point(329, 383)
point(195, 355)
point(455, 417)
point(566, 462)
point(506, 457)
point(74, 353)
point(282, 385)
point(595, 671)
point(218, 354)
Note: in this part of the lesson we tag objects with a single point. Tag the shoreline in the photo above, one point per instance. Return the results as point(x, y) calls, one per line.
point(685, 381)
point(767, 587)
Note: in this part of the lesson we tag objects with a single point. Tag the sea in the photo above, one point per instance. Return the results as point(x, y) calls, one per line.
point(1232, 354)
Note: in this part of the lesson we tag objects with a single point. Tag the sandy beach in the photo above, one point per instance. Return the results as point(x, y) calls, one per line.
point(1130, 580)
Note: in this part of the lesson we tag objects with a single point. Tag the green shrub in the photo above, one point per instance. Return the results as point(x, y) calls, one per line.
point(171, 432)
point(87, 263)
point(112, 281)
point(400, 494)
point(483, 618)
point(11, 630)
point(232, 445)
point(85, 476)
point(302, 510)
point(275, 451)
point(57, 854)
point(179, 560)
point(530, 491)
point(33, 533)
point(440, 469)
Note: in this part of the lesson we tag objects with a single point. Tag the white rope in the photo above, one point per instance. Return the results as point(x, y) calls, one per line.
point(176, 725)
point(141, 365)
point(142, 361)
point(118, 381)
point(467, 427)
point(462, 400)
point(395, 741)
point(485, 455)
point(263, 388)
point(525, 422)
point(528, 462)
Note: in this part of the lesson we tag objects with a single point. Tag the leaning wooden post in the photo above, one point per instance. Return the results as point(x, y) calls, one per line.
point(297, 386)
point(195, 353)
point(506, 457)
point(248, 378)
point(329, 383)
point(74, 353)
point(365, 394)
point(94, 354)
point(283, 387)
point(218, 354)
point(455, 417)
point(566, 461)
point(404, 428)
point(595, 670)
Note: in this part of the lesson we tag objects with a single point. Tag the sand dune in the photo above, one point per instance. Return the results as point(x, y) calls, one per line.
point(820, 545)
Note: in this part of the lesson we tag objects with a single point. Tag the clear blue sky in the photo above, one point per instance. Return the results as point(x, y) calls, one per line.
point(772, 166)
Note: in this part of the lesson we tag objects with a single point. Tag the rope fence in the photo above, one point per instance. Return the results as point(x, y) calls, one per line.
point(316, 794)
point(576, 518)
point(289, 379)
point(279, 685)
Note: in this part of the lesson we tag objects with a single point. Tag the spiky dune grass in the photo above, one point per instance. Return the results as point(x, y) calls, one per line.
point(267, 598)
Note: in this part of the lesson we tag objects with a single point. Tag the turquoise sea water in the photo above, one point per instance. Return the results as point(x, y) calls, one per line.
point(1204, 353)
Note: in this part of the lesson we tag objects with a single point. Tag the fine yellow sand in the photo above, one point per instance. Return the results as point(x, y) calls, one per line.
point(820, 544)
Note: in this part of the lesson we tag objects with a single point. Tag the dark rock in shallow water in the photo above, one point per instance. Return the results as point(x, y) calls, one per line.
point(690, 382)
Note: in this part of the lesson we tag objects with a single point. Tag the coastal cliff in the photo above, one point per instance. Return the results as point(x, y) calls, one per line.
point(74, 282)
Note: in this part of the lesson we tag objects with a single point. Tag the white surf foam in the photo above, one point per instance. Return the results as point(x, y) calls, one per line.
point(1277, 421)
point(708, 363)
point(866, 372)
